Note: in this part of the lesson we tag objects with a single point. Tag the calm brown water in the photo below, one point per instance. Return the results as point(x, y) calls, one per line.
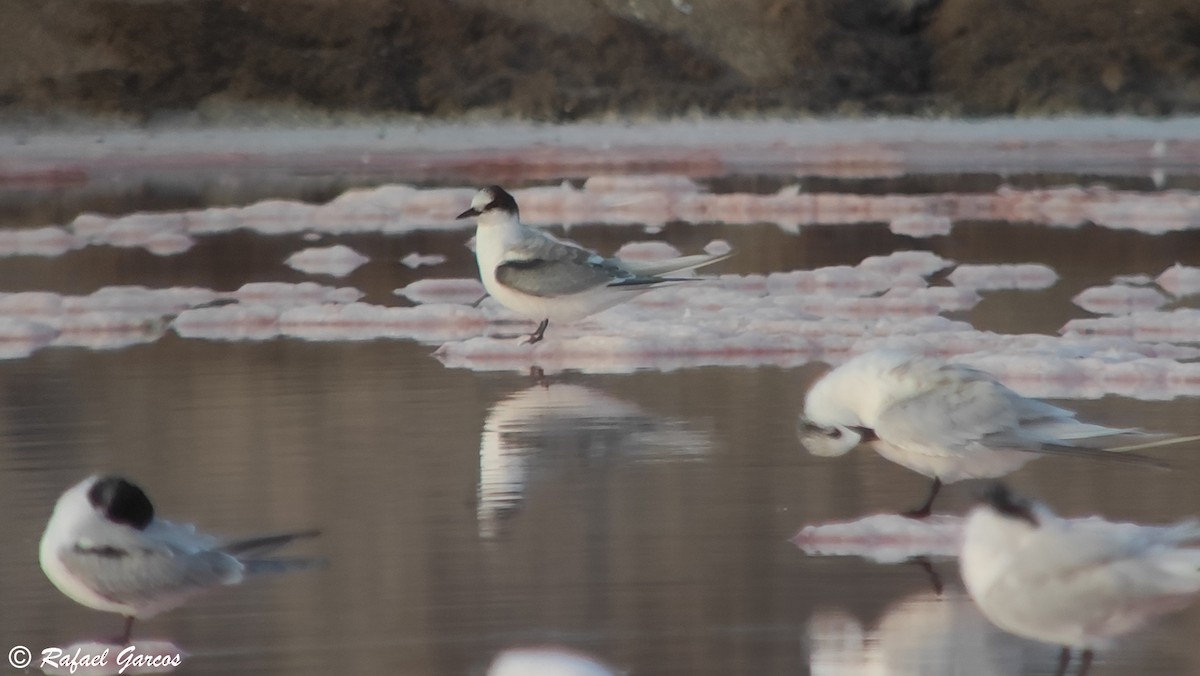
point(643, 518)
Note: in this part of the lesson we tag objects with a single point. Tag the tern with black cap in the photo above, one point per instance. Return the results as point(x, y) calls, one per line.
point(549, 280)
point(105, 549)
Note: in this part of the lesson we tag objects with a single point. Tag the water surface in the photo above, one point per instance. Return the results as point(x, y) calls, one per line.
point(643, 518)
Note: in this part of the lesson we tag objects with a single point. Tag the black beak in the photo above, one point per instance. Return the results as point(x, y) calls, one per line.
point(805, 425)
point(469, 212)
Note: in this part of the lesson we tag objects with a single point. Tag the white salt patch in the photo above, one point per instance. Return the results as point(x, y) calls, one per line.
point(337, 260)
point(718, 247)
point(904, 305)
point(1025, 276)
point(162, 234)
point(547, 661)
point(1180, 280)
point(109, 330)
point(884, 538)
point(30, 304)
point(644, 202)
point(284, 295)
point(946, 298)
point(840, 280)
point(460, 291)
point(1177, 326)
point(49, 241)
point(279, 217)
point(668, 183)
point(922, 263)
point(139, 300)
point(415, 260)
point(168, 243)
point(361, 321)
point(229, 322)
point(1133, 280)
point(647, 251)
point(921, 225)
point(20, 338)
point(1118, 299)
point(1153, 213)
point(891, 538)
point(88, 226)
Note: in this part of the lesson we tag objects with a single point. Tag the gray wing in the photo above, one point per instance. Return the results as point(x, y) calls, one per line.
point(969, 410)
point(541, 266)
point(952, 416)
point(142, 574)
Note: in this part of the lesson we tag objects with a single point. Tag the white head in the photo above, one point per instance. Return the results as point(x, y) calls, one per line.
point(829, 441)
point(829, 426)
point(492, 202)
point(841, 409)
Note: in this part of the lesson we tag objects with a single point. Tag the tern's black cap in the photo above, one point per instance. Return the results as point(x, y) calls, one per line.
point(121, 501)
point(1008, 503)
point(501, 200)
point(498, 200)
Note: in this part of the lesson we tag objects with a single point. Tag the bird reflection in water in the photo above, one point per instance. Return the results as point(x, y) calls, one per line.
point(924, 634)
point(887, 538)
point(551, 426)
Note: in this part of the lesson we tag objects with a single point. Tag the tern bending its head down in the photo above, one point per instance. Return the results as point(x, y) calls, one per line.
point(946, 421)
point(105, 549)
point(546, 279)
point(1077, 583)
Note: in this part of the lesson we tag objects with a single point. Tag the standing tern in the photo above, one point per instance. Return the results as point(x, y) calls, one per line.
point(1076, 583)
point(105, 549)
point(946, 421)
point(547, 279)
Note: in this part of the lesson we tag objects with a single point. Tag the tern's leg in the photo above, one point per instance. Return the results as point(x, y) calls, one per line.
point(1064, 660)
point(925, 509)
point(935, 580)
point(123, 639)
point(479, 300)
point(1087, 662)
point(537, 335)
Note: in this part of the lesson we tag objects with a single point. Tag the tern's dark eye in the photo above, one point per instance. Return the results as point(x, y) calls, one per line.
point(835, 433)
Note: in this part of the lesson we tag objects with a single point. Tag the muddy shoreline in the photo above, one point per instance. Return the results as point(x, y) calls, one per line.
point(552, 60)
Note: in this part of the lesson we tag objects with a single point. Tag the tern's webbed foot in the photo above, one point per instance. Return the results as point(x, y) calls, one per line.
point(537, 335)
point(919, 513)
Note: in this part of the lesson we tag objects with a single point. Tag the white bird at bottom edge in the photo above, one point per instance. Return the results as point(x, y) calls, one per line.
point(104, 548)
point(1075, 583)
